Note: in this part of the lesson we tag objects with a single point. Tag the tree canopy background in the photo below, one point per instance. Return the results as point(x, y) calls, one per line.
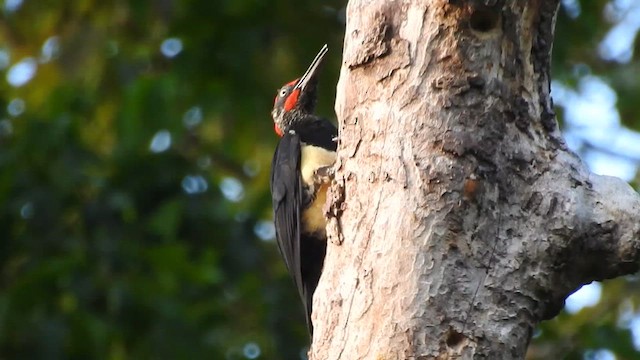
point(135, 145)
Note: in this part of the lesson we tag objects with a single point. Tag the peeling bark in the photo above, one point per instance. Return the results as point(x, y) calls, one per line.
point(465, 220)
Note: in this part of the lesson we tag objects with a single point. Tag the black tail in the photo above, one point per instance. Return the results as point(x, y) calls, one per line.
point(312, 249)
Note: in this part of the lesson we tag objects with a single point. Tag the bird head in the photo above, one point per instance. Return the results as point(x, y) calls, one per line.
point(297, 99)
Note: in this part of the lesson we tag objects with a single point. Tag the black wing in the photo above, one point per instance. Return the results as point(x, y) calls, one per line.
point(303, 253)
point(286, 194)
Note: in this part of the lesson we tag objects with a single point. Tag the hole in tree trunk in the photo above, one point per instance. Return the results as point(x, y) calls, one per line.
point(454, 338)
point(484, 20)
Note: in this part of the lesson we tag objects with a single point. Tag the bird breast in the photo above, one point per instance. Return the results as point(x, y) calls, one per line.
point(313, 158)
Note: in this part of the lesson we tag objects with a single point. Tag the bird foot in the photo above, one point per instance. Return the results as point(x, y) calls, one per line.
point(324, 175)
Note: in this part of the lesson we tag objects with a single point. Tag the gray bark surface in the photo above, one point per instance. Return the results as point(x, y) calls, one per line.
point(459, 218)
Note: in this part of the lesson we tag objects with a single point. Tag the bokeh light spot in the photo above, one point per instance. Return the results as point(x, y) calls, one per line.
point(232, 189)
point(251, 167)
point(265, 230)
point(12, 5)
point(160, 142)
point(251, 350)
point(6, 128)
point(600, 354)
point(22, 72)
point(171, 47)
point(192, 117)
point(204, 162)
point(5, 59)
point(16, 107)
point(26, 211)
point(572, 8)
point(194, 184)
point(50, 49)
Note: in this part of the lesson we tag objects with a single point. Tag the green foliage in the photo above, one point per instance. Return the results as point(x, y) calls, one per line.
point(103, 252)
point(109, 250)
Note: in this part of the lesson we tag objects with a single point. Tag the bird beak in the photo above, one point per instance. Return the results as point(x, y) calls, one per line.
point(312, 70)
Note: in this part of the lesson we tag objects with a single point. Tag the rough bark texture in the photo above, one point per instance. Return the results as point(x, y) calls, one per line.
point(465, 219)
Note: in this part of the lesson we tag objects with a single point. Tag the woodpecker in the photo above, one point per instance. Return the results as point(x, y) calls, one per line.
point(299, 180)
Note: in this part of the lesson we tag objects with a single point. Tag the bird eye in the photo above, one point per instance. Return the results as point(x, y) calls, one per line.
point(283, 92)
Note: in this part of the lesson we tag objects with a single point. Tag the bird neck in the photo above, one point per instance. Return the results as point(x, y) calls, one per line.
point(298, 120)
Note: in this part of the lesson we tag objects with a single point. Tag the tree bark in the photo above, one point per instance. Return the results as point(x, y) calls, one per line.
point(466, 221)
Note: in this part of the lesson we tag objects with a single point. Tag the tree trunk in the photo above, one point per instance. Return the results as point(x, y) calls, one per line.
point(465, 220)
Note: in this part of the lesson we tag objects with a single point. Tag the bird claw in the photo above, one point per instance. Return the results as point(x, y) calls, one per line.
point(324, 175)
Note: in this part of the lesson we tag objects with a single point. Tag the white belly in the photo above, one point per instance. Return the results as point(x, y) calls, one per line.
point(312, 158)
point(313, 216)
